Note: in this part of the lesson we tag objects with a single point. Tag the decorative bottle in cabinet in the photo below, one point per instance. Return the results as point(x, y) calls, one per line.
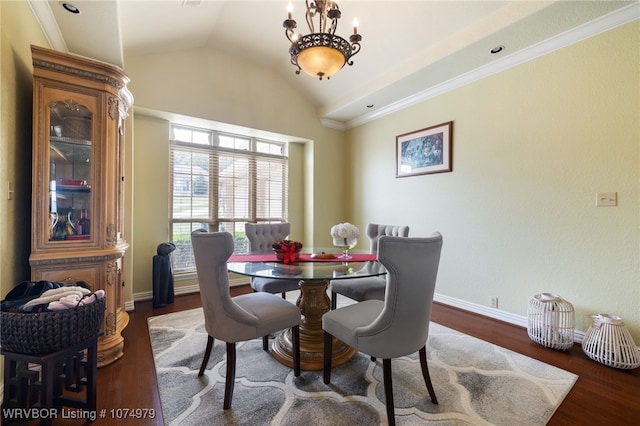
point(82, 227)
point(79, 109)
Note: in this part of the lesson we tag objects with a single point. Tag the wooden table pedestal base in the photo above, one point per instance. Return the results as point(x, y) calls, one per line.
point(313, 303)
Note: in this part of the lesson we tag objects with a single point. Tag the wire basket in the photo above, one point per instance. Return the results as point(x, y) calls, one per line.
point(609, 342)
point(550, 321)
point(47, 332)
point(76, 127)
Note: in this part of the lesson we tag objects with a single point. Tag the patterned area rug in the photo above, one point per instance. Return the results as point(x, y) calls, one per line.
point(477, 383)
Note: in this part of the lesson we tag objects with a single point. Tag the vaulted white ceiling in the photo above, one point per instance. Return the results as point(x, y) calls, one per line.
point(410, 49)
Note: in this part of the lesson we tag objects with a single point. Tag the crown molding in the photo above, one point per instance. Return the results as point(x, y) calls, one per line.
point(44, 15)
point(333, 124)
point(605, 23)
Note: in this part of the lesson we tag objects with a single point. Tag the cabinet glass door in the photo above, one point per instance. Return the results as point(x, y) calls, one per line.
point(70, 171)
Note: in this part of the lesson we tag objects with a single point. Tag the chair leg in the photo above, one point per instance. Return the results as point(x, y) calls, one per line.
point(334, 300)
point(328, 349)
point(388, 391)
point(207, 354)
point(265, 343)
point(425, 374)
point(295, 334)
point(284, 295)
point(231, 375)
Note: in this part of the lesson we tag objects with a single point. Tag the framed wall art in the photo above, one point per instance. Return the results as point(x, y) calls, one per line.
point(424, 151)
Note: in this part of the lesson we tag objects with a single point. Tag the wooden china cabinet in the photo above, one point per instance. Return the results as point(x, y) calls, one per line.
point(79, 110)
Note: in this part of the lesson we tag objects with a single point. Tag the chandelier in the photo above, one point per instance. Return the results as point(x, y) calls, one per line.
point(321, 54)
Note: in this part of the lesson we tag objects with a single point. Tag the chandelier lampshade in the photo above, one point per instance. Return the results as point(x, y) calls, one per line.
point(320, 61)
point(321, 54)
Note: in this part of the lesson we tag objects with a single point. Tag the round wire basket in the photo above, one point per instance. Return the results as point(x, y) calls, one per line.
point(609, 342)
point(550, 321)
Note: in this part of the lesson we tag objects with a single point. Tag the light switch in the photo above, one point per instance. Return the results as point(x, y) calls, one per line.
point(606, 199)
point(10, 191)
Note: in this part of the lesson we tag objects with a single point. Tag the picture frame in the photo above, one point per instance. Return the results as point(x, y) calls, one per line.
point(425, 151)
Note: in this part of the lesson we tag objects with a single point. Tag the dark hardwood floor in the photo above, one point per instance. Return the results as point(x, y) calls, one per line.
point(601, 396)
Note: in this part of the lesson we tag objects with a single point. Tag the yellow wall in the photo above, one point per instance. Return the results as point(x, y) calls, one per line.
point(210, 85)
point(18, 30)
point(151, 198)
point(531, 147)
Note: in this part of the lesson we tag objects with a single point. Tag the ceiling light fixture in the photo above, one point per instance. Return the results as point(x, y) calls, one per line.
point(69, 7)
point(321, 54)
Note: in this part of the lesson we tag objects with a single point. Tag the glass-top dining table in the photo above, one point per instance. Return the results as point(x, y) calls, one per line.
point(313, 274)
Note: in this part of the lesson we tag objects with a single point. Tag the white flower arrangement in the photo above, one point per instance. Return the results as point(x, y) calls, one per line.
point(345, 230)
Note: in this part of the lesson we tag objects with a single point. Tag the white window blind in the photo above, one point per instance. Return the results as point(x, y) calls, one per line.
point(219, 182)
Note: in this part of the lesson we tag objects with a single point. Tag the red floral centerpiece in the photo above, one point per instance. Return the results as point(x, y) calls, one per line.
point(286, 250)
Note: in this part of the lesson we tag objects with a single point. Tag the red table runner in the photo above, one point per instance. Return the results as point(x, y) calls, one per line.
point(304, 257)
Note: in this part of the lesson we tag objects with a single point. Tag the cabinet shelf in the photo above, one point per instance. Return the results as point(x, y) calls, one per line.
point(78, 237)
point(73, 188)
point(74, 141)
point(70, 152)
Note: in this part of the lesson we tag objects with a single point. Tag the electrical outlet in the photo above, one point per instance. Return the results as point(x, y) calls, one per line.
point(494, 301)
point(606, 199)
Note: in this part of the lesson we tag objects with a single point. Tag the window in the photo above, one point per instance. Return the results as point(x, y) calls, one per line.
point(221, 181)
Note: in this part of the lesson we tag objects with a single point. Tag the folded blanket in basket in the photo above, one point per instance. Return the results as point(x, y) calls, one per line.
point(73, 300)
point(57, 294)
point(24, 292)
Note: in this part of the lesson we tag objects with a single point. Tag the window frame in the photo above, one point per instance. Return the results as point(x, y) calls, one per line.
point(214, 221)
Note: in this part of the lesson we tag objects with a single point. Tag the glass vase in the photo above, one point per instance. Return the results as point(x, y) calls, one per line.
point(345, 244)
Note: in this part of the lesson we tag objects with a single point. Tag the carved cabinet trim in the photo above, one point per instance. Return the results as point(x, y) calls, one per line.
point(79, 108)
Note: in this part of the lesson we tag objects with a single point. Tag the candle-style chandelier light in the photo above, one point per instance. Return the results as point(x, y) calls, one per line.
point(321, 54)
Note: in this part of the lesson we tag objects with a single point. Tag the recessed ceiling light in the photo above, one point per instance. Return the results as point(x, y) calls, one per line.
point(69, 7)
point(497, 49)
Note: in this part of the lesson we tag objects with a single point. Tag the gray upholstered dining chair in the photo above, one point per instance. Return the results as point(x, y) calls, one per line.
point(240, 318)
point(261, 236)
point(399, 325)
point(360, 289)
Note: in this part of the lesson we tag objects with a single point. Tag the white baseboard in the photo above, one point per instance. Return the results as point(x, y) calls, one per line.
point(187, 289)
point(494, 313)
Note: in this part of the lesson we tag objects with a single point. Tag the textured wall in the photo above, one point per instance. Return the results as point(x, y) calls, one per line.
point(212, 86)
point(532, 146)
point(18, 30)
